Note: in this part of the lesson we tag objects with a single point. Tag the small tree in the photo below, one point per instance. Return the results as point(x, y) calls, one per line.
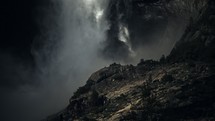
point(163, 59)
point(142, 61)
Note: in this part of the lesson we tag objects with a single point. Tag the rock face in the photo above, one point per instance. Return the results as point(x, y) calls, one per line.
point(198, 41)
point(135, 24)
point(181, 87)
point(148, 91)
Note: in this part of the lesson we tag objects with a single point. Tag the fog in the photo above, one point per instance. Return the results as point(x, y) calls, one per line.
point(66, 55)
point(69, 48)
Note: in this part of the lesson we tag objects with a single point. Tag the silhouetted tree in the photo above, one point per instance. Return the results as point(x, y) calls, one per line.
point(163, 59)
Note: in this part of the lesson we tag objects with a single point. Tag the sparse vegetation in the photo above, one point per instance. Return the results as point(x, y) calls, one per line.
point(167, 78)
point(84, 89)
point(163, 59)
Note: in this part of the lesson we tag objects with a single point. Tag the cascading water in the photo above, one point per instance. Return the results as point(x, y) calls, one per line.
point(68, 57)
point(83, 29)
point(75, 31)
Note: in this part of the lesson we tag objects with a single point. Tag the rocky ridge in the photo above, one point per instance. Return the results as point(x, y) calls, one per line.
point(149, 91)
point(177, 88)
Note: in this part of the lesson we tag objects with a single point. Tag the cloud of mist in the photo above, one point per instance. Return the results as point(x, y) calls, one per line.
point(77, 38)
point(66, 53)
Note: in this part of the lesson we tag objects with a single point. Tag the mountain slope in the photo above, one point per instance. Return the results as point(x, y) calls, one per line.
point(198, 41)
point(179, 88)
point(149, 91)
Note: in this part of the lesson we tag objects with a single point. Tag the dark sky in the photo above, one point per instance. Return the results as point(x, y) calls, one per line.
point(18, 26)
point(17, 30)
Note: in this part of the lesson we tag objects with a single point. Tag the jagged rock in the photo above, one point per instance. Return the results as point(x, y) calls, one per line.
point(168, 92)
point(198, 41)
point(180, 89)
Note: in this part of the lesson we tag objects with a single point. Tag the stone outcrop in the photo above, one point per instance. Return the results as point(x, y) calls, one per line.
point(181, 91)
point(181, 87)
point(198, 41)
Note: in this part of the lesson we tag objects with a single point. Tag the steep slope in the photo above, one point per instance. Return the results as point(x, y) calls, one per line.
point(198, 41)
point(149, 91)
point(179, 88)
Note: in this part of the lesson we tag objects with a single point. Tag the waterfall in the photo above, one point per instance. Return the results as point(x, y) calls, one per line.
point(73, 57)
point(83, 29)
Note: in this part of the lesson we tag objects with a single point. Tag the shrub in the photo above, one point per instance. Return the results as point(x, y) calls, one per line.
point(167, 78)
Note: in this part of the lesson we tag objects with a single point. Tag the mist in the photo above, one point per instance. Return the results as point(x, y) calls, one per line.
point(66, 53)
point(77, 37)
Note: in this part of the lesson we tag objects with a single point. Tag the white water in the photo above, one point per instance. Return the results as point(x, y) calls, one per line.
point(81, 26)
